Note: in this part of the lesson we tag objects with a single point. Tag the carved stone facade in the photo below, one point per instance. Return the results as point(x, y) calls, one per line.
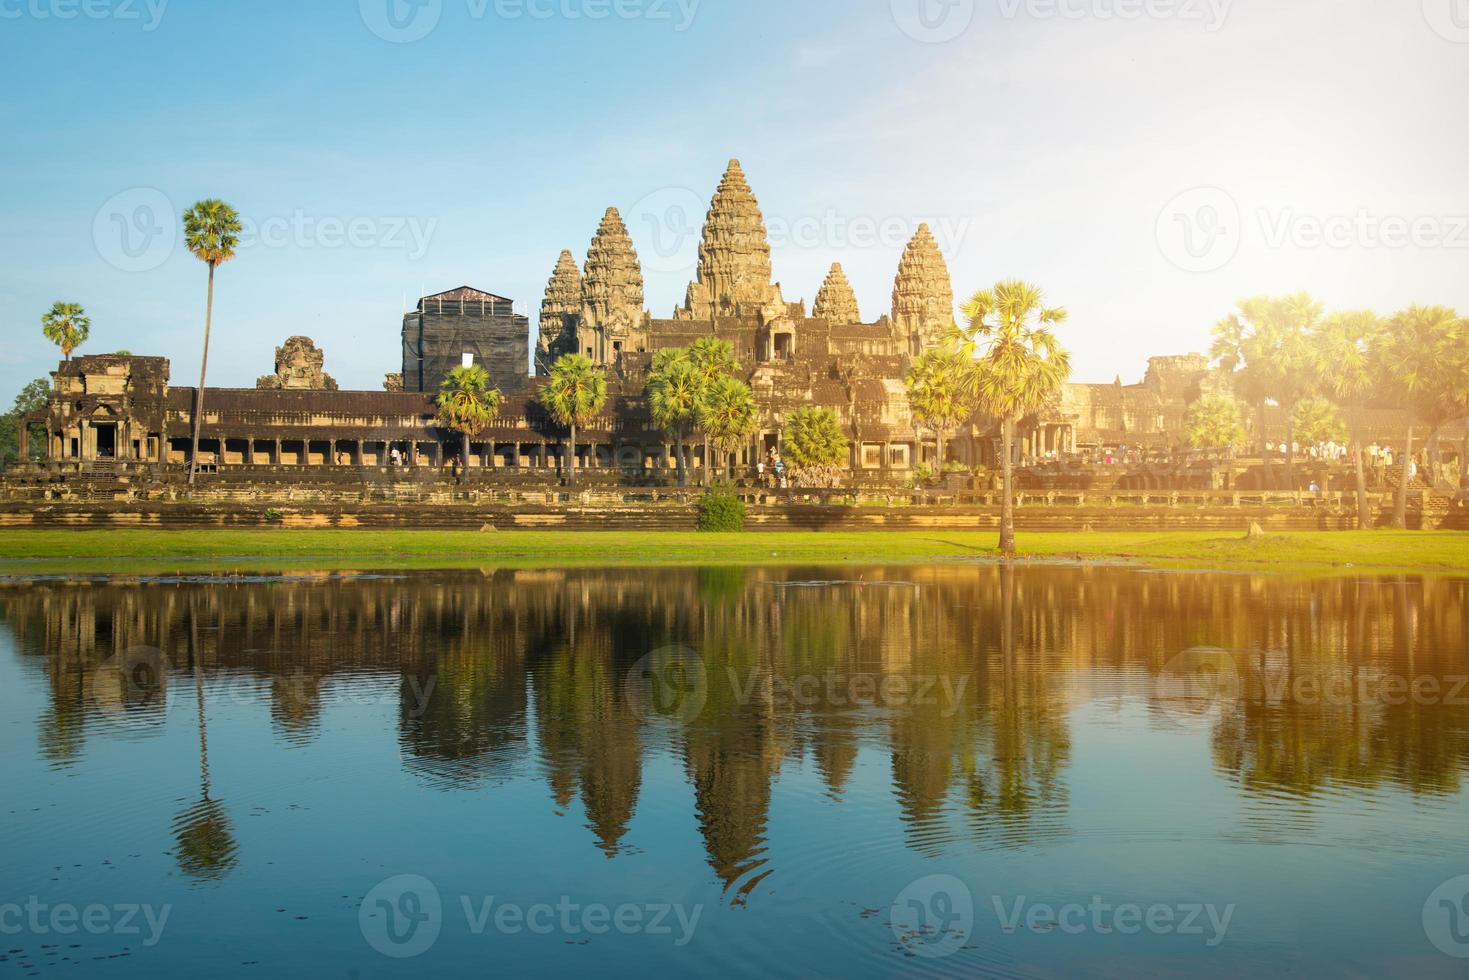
point(734, 277)
point(393, 382)
point(560, 312)
point(923, 296)
point(298, 367)
point(612, 317)
point(836, 303)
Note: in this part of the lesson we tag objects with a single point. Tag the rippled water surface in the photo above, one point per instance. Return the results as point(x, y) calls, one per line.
point(1037, 771)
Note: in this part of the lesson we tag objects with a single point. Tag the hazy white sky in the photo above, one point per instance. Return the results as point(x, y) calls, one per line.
point(1148, 163)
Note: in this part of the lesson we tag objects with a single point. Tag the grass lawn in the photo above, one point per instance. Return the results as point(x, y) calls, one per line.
point(42, 551)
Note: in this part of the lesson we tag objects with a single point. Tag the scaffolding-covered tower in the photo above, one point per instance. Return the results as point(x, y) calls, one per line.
point(449, 325)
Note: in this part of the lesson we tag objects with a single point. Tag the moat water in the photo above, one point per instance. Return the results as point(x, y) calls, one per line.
point(1046, 771)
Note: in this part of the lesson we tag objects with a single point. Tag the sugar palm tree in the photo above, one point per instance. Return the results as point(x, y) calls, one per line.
point(936, 387)
point(1279, 358)
point(467, 403)
point(67, 326)
point(575, 395)
point(1317, 420)
point(675, 390)
point(212, 233)
point(713, 360)
point(1019, 366)
point(1421, 358)
point(1213, 422)
point(1229, 352)
point(1345, 371)
point(729, 416)
point(815, 447)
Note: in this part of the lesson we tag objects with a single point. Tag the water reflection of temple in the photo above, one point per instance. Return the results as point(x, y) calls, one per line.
point(503, 674)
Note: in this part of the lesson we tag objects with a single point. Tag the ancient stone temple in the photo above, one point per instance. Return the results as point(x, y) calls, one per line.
point(298, 367)
point(734, 277)
point(612, 316)
point(836, 303)
point(560, 312)
point(923, 296)
point(122, 410)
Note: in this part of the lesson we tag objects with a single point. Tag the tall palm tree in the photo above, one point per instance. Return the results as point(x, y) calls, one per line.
point(575, 395)
point(67, 326)
point(728, 415)
point(1345, 371)
point(212, 233)
point(1228, 351)
point(1279, 358)
point(936, 384)
point(1421, 357)
point(1019, 366)
point(712, 359)
point(675, 390)
point(467, 403)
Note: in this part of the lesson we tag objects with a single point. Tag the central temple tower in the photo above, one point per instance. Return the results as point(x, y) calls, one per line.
point(734, 277)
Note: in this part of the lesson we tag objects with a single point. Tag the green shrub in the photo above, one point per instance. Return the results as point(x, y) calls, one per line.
point(274, 516)
point(721, 511)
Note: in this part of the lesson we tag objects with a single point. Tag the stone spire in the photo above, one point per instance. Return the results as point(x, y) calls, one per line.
point(611, 293)
point(734, 276)
point(923, 296)
point(836, 303)
point(559, 312)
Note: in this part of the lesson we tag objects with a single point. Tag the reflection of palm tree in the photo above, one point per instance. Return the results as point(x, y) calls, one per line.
point(206, 845)
point(1029, 744)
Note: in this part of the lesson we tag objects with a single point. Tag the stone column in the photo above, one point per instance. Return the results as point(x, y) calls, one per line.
point(23, 439)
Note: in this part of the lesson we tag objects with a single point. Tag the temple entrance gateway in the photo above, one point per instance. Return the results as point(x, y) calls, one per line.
point(106, 440)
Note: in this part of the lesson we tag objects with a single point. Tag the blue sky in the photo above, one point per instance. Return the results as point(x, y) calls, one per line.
point(1148, 167)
